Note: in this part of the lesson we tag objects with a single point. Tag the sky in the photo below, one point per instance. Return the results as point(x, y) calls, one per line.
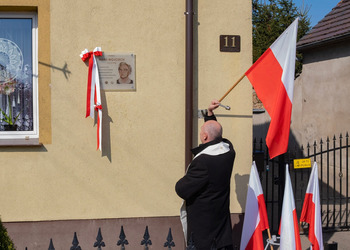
point(317, 8)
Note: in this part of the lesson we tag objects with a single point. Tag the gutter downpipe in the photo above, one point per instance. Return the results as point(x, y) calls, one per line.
point(189, 83)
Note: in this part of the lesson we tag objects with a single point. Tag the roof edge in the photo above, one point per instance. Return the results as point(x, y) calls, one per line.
point(323, 42)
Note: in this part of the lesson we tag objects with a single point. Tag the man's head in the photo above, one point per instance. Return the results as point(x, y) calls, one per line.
point(210, 131)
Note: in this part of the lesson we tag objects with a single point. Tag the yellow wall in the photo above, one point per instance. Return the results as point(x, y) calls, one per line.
point(143, 130)
point(218, 72)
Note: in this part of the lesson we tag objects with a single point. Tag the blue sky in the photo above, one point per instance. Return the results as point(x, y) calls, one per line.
point(317, 8)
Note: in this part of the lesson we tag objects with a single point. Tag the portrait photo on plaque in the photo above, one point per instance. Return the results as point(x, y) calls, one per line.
point(117, 71)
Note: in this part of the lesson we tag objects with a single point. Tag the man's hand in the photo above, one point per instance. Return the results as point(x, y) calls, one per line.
point(213, 105)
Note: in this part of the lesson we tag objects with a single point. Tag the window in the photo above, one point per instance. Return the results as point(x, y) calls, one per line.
point(18, 79)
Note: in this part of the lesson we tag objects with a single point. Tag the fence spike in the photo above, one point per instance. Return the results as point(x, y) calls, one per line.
point(146, 239)
point(213, 246)
point(75, 243)
point(169, 240)
point(99, 240)
point(51, 247)
point(191, 245)
point(122, 239)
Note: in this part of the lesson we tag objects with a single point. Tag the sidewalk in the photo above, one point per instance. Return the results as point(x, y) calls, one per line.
point(342, 238)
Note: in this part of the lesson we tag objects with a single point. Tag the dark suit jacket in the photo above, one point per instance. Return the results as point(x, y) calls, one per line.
point(206, 190)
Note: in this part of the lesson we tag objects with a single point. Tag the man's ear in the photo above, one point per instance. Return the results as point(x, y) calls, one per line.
point(205, 136)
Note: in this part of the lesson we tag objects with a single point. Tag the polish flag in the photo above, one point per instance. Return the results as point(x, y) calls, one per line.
point(255, 218)
point(289, 227)
point(272, 77)
point(311, 212)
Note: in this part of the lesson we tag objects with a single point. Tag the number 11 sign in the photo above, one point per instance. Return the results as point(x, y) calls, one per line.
point(230, 43)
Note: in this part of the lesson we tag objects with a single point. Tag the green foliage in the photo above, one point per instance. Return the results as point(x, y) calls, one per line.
point(270, 19)
point(9, 119)
point(5, 240)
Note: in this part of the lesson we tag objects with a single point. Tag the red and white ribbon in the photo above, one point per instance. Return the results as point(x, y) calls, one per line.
point(93, 97)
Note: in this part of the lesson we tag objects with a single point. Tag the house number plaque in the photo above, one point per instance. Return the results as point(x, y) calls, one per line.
point(230, 43)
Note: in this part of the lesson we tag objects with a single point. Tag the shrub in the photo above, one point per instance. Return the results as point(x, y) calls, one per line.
point(5, 240)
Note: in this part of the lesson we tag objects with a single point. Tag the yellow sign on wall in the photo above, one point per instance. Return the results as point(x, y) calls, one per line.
point(302, 163)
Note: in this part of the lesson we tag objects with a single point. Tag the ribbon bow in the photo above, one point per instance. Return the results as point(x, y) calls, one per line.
point(93, 97)
point(85, 54)
point(97, 107)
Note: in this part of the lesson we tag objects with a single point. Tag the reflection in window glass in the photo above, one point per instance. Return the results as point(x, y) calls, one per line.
point(16, 75)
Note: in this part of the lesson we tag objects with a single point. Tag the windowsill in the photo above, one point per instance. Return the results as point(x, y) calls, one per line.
point(32, 142)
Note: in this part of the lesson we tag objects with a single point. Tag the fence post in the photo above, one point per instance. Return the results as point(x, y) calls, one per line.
point(51, 247)
point(146, 239)
point(99, 240)
point(169, 240)
point(75, 243)
point(122, 239)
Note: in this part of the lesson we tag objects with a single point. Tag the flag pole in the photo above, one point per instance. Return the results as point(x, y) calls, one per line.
point(269, 234)
point(234, 85)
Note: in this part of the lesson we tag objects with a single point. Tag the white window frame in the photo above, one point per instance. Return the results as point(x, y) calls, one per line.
point(10, 138)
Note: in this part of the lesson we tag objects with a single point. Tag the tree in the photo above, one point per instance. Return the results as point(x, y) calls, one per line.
point(270, 19)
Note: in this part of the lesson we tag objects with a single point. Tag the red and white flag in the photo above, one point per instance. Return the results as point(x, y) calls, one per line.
point(289, 227)
point(311, 212)
point(255, 218)
point(272, 77)
point(93, 98)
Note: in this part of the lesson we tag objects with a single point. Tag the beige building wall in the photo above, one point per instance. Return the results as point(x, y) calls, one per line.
point(218, 72)
point(324, 86)
point(144, 130)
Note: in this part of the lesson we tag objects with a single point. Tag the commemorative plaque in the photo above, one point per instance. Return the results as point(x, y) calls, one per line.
point(117, 71)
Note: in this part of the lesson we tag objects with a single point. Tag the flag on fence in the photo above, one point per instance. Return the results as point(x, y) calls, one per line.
point(311, 212)
point(289, 227)
point(255, 218)
point(272, 77)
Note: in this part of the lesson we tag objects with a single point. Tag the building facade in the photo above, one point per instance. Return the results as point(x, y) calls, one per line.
point(55, 182)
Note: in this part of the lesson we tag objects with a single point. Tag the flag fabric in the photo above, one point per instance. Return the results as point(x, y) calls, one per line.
point(93, 98)
point(289, 227)
point(255, 218)
point(311, 212)
point(272, 77)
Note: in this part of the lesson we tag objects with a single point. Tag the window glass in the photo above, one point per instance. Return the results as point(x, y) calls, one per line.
point(16, 74)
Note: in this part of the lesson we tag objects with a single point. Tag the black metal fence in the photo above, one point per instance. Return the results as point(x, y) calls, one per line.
point(332, 157)
point(121, 243)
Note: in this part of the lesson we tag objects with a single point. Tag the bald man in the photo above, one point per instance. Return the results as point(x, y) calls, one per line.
point(205, 188)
